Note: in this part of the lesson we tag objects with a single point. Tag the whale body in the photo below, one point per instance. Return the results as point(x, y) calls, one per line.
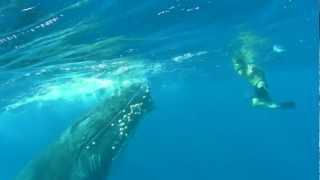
point(86, 149)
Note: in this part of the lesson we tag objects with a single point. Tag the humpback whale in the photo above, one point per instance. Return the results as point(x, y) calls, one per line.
point(85, 150)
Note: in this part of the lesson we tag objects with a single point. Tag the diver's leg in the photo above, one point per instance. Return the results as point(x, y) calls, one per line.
point(263, 99)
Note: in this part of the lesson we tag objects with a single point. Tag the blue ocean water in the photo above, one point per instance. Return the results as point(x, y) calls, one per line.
point(60, 58)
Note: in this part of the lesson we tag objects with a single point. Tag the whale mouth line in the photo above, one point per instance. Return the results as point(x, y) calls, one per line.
point(101, 131)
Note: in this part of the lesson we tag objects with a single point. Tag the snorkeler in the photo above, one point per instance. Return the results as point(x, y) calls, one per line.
point(245, 68)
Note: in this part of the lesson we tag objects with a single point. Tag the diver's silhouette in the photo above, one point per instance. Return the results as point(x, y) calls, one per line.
point(256, 78)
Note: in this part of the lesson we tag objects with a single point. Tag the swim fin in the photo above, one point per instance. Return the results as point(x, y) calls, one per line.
point(287, 105)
